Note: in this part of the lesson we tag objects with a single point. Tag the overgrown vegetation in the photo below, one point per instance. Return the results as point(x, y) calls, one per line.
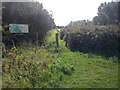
point(92, 39)
point(26, 65)
point(34, 66)
point(99, 36)
point(57, 67)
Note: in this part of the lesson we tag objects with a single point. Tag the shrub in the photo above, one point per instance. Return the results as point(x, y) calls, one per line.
point(99, 39)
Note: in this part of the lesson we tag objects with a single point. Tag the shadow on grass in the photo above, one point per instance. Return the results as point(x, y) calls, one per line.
point(107, 54)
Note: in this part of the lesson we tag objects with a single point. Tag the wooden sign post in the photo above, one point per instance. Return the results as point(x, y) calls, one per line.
point(37, 39)
point(19, 29)
point(57, 39)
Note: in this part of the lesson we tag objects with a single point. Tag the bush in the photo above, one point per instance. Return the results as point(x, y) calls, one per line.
point(98, 39)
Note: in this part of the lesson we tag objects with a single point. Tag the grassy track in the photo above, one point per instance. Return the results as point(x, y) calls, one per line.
point(51, 66)
point(91, 71)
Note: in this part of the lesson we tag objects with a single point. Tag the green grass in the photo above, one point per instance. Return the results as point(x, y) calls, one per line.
point(93, 72)
point(57, 67)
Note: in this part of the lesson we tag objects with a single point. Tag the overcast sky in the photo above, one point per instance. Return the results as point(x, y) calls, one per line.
point(65, 11)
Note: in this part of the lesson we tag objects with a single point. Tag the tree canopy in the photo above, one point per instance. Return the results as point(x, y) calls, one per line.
point(107, 14)
point(31, 13)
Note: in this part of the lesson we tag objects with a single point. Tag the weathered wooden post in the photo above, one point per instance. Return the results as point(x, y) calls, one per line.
point(37, 39)
point(57, 40)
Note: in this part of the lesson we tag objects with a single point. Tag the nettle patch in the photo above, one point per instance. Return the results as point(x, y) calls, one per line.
point(32, 67)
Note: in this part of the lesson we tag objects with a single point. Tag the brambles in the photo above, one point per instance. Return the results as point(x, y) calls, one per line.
point(33, 67)
point(98, 39)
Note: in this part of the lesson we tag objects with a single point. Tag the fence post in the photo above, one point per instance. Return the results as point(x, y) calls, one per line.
point(57, 39)
point(37, 39)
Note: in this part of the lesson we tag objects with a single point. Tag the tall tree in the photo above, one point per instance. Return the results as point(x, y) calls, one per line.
point(31, 13)
point(107, 14)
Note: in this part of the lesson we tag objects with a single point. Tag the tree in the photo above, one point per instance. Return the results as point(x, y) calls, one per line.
point(107, 14)
point(31, 13)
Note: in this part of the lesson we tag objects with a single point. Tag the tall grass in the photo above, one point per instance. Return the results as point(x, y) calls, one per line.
point(50, 66)
point(34, 66)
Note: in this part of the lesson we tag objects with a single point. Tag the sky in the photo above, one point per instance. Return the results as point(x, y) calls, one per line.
point(65, 11)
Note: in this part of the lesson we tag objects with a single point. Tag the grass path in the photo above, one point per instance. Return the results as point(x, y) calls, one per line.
point(49, 66)
point(91, 71)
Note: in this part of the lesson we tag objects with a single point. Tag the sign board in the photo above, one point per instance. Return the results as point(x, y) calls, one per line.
point(18, 28)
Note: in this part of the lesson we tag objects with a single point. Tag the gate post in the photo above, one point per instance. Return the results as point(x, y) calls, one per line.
point(57, 39)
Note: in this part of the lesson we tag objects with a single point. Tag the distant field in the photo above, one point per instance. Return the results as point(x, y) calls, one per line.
point(57, 67)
